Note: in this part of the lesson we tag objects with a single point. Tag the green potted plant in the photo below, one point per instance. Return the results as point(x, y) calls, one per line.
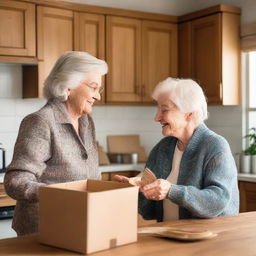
point(251, 149)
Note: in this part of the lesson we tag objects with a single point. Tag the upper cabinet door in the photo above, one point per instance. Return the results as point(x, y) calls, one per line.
point(184, 50)
point(209, 52)
point(90, 37)
point(55, 36)
point(17, 28)
point(90, 34)
point(206, 55)
point(124, 59)
point(159, 48)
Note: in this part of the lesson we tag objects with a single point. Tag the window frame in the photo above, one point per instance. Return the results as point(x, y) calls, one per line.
point(246, 95)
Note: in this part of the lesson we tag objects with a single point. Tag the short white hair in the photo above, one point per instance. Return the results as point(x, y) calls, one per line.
point(69, 70)
point(186, 94)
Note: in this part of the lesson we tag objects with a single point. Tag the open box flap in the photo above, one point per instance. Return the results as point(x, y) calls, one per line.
point(98, 185)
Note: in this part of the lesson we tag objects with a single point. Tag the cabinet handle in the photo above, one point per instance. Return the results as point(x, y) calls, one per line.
point(221, 91)
point(143, 93)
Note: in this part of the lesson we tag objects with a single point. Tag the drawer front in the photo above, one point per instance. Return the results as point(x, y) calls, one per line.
point(5, 200)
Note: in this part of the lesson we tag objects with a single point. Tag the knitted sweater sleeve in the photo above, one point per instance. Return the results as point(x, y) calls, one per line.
point(211, 200)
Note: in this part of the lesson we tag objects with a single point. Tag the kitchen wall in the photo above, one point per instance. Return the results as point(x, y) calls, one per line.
point(226, 121)
point(176, 7)
point(108, 119)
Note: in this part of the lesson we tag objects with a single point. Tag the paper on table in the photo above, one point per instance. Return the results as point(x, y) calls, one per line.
point(179, 234)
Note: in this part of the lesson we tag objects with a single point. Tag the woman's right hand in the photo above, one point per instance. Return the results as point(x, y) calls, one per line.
point(121, 178)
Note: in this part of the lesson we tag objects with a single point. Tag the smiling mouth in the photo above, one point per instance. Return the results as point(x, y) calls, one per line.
point(90, 102)
point(165, 124)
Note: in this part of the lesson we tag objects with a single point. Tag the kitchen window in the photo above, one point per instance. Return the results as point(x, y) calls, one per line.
point(250, 101)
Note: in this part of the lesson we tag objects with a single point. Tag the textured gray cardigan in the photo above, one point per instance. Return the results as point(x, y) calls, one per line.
point(48, 150)
point(207, 182)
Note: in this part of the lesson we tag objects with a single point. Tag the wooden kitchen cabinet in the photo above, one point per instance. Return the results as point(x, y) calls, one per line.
point(209, 52)
point(54, 37)
point(89, 36)
point(140, 54)
point(17, 29)
point(123, 44)
point(5, 200)
point(247, 196)
point(159, 54)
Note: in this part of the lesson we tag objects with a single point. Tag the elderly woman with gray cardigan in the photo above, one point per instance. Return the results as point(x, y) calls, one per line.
point(57, 143)
point(195, 170)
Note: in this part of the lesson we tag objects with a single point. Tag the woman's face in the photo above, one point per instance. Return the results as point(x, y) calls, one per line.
point(173, 121)
point(82, 98)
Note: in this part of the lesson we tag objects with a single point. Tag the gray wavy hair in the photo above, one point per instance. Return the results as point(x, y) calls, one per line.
point(69, 70)
point(186, 94)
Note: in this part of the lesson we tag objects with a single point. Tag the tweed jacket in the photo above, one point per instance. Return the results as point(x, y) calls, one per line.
point(48, 150)
point(207, 181)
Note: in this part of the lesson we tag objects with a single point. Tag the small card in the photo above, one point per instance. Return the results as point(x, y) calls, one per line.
point(147, 177)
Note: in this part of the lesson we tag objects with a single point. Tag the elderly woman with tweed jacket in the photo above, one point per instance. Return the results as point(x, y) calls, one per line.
point(56, 143)
point(195, 170)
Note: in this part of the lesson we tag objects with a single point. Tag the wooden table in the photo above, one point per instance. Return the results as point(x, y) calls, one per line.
point(236, 237)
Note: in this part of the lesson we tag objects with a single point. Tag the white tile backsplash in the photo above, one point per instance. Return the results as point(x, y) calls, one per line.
point(27, 106)
point(227, 121)
point(10, 80)
point(7, 106)
point(224, 116)
point(8, 124)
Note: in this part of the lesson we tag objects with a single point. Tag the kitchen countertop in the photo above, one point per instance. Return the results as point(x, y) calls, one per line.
point(140, 167)
point(109, 168)
point(1, 177)
point(247, 177)
point(236, 237)
point(122, 167)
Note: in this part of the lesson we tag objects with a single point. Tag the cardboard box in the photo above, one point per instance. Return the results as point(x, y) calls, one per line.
point(89, 215)
point(126, 144)
point(123, 143)
point(103, 158)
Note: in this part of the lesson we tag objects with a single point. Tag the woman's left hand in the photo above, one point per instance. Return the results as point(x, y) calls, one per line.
point(157, 190)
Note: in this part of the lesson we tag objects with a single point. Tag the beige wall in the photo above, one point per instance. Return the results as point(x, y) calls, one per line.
point(177, 7)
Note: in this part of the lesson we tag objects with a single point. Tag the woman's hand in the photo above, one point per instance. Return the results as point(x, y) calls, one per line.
point(133, 181)
point(157, 190)
point(121, 178)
